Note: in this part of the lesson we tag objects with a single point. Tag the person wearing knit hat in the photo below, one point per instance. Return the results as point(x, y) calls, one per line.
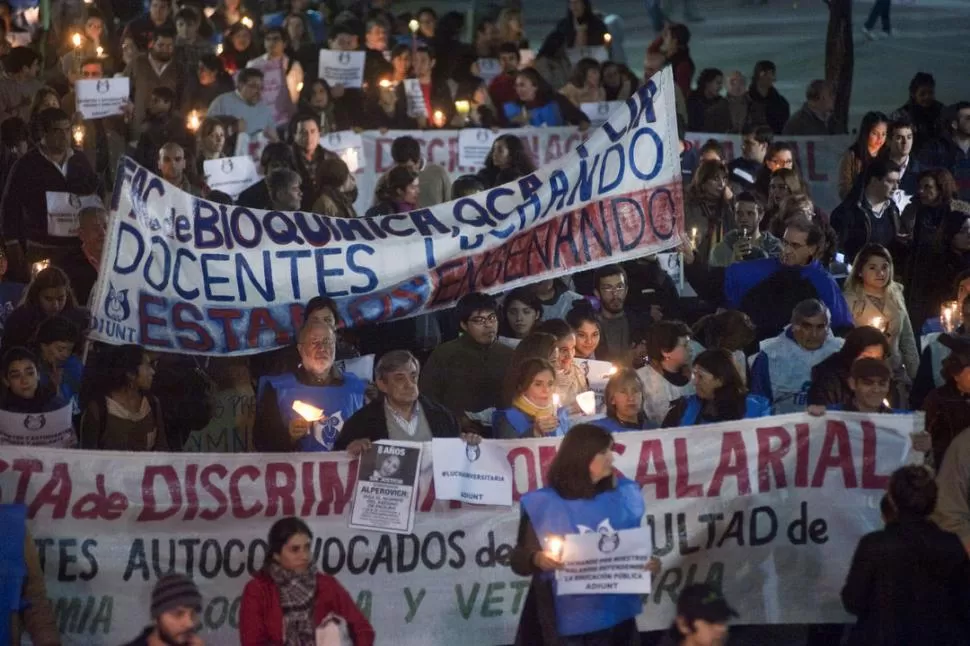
point(702, 617)
point(175, 609)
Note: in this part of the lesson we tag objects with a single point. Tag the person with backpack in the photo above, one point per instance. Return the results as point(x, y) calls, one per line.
point(119, 414)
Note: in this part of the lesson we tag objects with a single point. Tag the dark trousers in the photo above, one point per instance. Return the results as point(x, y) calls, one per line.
point(622, 634)
point(880, 10)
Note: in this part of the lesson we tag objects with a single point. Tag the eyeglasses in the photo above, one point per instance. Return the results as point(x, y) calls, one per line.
point(320, 345)
point(617, 289)
point(483, 320)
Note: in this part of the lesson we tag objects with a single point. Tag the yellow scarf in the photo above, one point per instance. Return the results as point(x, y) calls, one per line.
point(525, 405)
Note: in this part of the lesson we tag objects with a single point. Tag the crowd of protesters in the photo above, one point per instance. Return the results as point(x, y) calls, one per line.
point(792, 308)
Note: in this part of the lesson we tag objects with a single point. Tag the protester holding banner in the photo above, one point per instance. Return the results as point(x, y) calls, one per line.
point(336, 189)
point(948, 406)
point(30, 413)
point(830, 378)
point(282, 422)
point(401, 413)
point(666, 376)
point(118, 411)
point(433, 179)
point(289, 602)
point(782, 370)
point(909, 582)
point(869, 381)
point(536, 409)
point(624, 404)
point(48, 295)
point(720, 394)
point(582, 492)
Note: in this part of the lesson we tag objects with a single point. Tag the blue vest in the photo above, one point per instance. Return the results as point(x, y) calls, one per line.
point(580, 614)
point(754, 406)
point(547, 115)
point(523, 424)
point(338, 404)
point(13, 568)
point(614, 426)
point(790, 369)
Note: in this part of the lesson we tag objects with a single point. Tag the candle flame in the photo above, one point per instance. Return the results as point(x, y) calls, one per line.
point(876, 322)
point(100, 52)
point(299, 86)
point(219, 49)
point(247, 21)
point(385, 84)
point(76, 39)
point(39, 266)
point(463, 107)
point(78, 134)
point(554, 545)
point(414, 25)
point(194, 121)
point(555, 400)
point(607, 38)
point(306, 411)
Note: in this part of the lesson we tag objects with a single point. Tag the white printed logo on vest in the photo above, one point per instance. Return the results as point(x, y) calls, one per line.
point(609, 539)
point(325, 431)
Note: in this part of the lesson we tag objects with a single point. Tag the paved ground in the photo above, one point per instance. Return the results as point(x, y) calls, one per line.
point(934, 36)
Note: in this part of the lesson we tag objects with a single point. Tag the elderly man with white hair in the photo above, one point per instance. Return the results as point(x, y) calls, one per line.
point(401, 412)
point(306, 410)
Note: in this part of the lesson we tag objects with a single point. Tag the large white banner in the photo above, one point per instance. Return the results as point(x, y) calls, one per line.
point(770, 509)
point(184, 274)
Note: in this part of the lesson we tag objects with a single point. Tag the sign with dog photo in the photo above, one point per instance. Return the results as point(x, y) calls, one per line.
point(602, 560)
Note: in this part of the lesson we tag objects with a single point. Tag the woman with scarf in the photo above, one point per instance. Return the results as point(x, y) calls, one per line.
point(709, 206)
point(720, 395)
point(398, 193)
point(287, 601)
point(534, 411)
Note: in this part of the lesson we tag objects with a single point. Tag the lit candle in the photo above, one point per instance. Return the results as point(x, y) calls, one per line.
point(350, 158)
point(463, 107)
point(693, 236)
point(386, 84)
point(554, 545)
point(38, 267)
point(194, 121)
point(306, 411)
point(247, 22)
point(299, 86)
point(78, 134)
point(949, 310)
point(219, 49)
point(885, 403)
point(612, 371)
point(414, 25)
point(555, 400)
point(439, 118)
point(76, 39)
point(209, 11)
point(607, 38)
point(99, 51)
point(876, 322)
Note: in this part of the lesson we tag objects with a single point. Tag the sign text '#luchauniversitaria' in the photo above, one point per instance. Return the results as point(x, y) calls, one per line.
point(188, 275)
point(770, 509)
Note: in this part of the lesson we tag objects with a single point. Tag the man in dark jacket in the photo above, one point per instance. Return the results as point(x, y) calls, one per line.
point(176, 606)
point(952, 150)
point(909, 583)
point(766, 105)
point(870, 216)
point(401, 413)
point(815, 116)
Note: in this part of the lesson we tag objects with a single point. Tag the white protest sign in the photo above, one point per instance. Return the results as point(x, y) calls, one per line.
point(52, 428)
point(672, 262)
point(474, 145)
point(478, 474)
point(348, 145)
point(417, 107)
point(755, 486)
point(488, 69)
point(599, 113)
point(360, 367)
point(231, 175)
point(598, 54)
point(62, 212)
point(605, 561)
point(97, 99)
point(342, 68)
point(258, 266)
point(387, 485)
point(598, 374)
point(19, 38)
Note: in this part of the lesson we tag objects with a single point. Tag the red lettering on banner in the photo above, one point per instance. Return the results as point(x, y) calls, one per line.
point(530, 467)
point(222, 502)
point(335, 496)
point(227, 316)
point(308, 490)
point(99, 504)
point(652, 452)
point(871, 479)
point(261, 321)
point(277, 492)
point(381, 165)
point(236, 497)
point(27, 468)
point(813, 174)
point(771, 459)
point(546, 456)
point(619, 449)
point(191, 495)
point(733, 463)
point(553, 149)
point(56, 492)
point(432, 145)
point(149, 512)
point(801, 455)
point(836, 437)
point(684, 488)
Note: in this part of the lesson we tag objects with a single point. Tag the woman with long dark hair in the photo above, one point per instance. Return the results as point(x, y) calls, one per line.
point(537, 104)
point(238, 48)
point(210, 143)
point(288, 599)
point(316, 99)
point(869, 142)
point(570, 379)
point(397, 193)
point(707, 110)
point(49, 294)
point(508, 160)
point(720, 396)
point(586, 84)
point(521, 312)
point(583, 491)
point(534, 411)
point(582, 27)
point(582, 318)
point(709, 206)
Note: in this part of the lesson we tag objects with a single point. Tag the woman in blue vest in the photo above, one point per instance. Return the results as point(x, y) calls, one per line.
point(534, 411)
point(624, 404)
point(720, 396)
point(540, 105)
point(583, 491)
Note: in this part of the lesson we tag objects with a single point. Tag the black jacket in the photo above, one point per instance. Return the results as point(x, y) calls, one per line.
point(830, 383)
point(947, 415)
point(772, 110)
point(370, 423)
point(852, 221)
point(909, 584)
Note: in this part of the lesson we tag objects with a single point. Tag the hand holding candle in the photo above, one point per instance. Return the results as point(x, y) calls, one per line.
point(77, 132)
point(247, 22)
point(414, 25)
point(438, 119)
point(194, 121)
point(693, 237)
point(947, 316)
point(76, 40)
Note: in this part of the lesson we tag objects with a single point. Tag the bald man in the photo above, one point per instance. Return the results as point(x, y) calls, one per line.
point(316, 382)
point(171, 166)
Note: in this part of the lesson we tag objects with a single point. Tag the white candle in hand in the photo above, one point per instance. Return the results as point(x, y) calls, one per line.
point(555, 401)
point(554, 545)
point(306, 411)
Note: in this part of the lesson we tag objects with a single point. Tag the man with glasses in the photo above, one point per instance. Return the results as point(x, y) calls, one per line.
point(245, 105)
point(49, 176)
point(466, 375)
point(282, 76)
point(623, 329)
point(284, 420)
